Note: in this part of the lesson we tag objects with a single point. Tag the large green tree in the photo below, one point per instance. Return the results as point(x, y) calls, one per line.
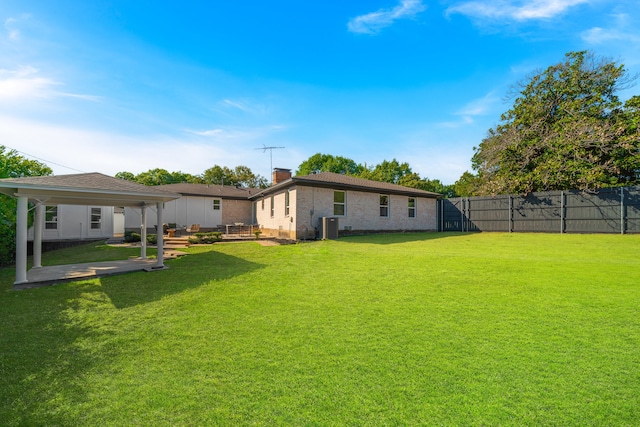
point(392, 171)
point(387, 171)
point(12, 165)
point(161, 177)
point(329, 163)
point(567, 129)
point(240, 175)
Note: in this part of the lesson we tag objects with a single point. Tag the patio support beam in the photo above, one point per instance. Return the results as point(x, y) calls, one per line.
point(21, 240)
point(38, 221)
point(143, 233)
point(160, 259)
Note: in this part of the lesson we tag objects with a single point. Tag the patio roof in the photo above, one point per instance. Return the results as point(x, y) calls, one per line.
point(84, 189)
point(79, 189)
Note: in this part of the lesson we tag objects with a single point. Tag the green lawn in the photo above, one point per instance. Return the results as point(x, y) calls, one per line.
point(403, 329)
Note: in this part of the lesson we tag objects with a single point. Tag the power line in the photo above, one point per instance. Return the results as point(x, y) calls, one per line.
point(45, 160)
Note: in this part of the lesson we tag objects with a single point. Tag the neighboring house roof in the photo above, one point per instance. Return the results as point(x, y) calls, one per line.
point(209, 190)
point(346, 182)
point(84, 189)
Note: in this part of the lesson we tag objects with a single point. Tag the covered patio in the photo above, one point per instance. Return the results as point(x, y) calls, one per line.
point(89, 189)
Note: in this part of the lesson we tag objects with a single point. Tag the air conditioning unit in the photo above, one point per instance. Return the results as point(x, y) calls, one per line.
point(328, 228)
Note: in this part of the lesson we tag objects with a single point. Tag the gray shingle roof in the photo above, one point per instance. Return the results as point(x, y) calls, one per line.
point(345, 182)
point(209, 190)
point(84, 181)
point(85, 188)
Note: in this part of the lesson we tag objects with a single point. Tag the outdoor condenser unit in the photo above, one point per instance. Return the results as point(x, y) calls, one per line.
point(328, 228)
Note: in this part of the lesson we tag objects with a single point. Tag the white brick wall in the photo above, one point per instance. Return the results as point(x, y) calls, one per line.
point(309, 204)
point(280, 225)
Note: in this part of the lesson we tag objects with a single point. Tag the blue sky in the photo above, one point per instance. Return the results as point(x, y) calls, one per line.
point(122, 85)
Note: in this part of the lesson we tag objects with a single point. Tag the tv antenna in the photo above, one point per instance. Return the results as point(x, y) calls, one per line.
point(264, 150)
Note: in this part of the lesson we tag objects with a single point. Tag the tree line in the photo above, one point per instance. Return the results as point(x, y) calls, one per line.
point(387, 171)
point(219, 175)
point(391, 171)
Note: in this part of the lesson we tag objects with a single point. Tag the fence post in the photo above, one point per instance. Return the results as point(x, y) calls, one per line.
point(510, 214)
point(622, 224)
point(467, 213)
point(561, 212)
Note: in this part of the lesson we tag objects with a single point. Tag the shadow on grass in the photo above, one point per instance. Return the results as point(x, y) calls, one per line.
point(40, 361)
point(43, 331)
point(183, 273)
point(394, 238)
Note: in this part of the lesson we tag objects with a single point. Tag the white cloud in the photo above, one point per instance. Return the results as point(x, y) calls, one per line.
point(229, 135)
point(475, 108)
point(25, 83)
point(619, 31)
point(240, 105)
point(514, 10)
point(479, 106)
point(373, 22)
point(210, 132)
point(71, 150)
point(11, 26)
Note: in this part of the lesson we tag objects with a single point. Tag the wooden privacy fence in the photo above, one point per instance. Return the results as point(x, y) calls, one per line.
point(609, 210)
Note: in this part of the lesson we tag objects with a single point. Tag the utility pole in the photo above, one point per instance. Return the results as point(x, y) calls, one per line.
point(264, 150)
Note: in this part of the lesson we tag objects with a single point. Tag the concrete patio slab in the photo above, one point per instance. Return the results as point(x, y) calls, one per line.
point(51, 275)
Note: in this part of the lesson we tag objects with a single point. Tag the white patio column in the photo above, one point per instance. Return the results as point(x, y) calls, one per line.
point(38, 221)
point(21, 240)
point(160, 259)
point(143, 233)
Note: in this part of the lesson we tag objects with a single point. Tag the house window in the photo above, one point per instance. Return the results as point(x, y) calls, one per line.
point(262, 204)
point(51, 218)
point(273, 207)
point(286, 203)
point(384, 205)
point(96, 218)
point(339, 203)
point(216, 204)
point(412, 207)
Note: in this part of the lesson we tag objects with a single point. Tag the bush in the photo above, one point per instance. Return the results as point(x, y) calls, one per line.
point(206, 238)
point(131, 237)
point(7, 243)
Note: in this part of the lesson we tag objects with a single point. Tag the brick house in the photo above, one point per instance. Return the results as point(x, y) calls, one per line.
point(294, 207)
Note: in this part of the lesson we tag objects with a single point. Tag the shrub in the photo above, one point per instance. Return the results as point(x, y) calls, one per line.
point(206, 238)
point(131, 237)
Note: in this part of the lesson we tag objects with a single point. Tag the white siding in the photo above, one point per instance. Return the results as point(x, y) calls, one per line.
point(185, 211)
point(74, 223)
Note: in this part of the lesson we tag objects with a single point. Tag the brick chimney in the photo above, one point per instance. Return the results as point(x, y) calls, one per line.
point(280, 175)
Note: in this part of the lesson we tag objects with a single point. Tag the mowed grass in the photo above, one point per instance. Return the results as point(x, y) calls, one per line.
point(402, 329)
